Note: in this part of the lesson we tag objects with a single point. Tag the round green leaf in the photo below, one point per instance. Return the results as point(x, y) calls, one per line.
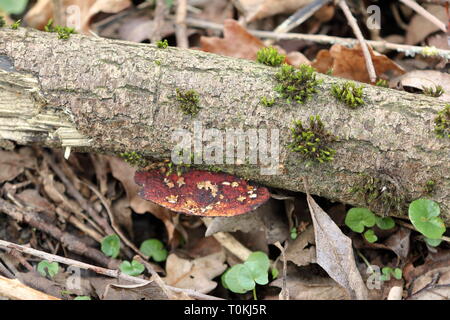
point(13, 6)
point(258, 263)
point(154, 249)
point(111, 245)
point(424, 215)
point(385, 223)
point(239, 279)
point(134, 268)
point(397, 273)
point(433, 242)
point(358, 218)
point(46, 267)
point(82, 298)
point(370, 236)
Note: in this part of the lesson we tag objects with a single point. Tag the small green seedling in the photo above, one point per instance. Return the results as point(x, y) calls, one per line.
point(349, 93)
point(111, 245)
point(2, 22)
point(153, 248)
point(429, 187)
point(312, 142)
point(442, 123)
point(242, 278)
point(162, 44)
point(359, 218)
point(16, 25)
point(370, 236)
point(134, 268)
point(297, 84)
point(134, 159)
point(267, 102)
point(188, 101)
point(82, 298)
point(294, 233)
point(385, 223)
point(270, 57)
point(433, 92)
point(424, 215)
point(388, 271)
point(48, 268)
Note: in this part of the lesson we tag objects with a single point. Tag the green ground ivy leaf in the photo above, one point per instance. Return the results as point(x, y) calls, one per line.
point(424, 215)
point(433, 242)
point(358, 218)
point(13, 6)
point(134, 268)
point(239, 279)
point(154, 249)
point(258, 263)
point(82, 298)
point(370, 236)
point(48, 268)
point(111, 245)
point(385, 223)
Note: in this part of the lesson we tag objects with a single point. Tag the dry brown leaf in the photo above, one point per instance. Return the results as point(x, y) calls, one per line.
point(13, 163)
point(305, 286)
point(420, 27)
point(239, 43)
point(123, 172)
point(433, 285)
point(259, 9)
point(419, 79)
point(302, 251)
point(32, 198)
point(195, 274)
point(350, 63)
point(334, 252)
point(38, 16)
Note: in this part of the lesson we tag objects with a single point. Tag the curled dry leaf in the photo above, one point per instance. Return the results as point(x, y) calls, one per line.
point(334, 252)
point(195, 274)
point(201, 193)
point(420, 79)
point(259, 9)
point(302, 250)
point(239, 43)
point(350, 63)
point(420, 27)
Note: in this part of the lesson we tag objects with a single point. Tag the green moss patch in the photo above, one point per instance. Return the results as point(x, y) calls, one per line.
point(270, 57)
point(442, 123)
point(188, 101)
point(349, 93)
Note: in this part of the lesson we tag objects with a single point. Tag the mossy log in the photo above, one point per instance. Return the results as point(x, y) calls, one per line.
point(109, 96)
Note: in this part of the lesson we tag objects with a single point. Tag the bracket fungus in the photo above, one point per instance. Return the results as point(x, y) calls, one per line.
point(201, 193)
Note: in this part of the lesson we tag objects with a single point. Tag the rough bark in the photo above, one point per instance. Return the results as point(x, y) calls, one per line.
point(111, 96)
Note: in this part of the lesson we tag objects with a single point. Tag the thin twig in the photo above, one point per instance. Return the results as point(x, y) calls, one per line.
point(106, 272)
point(424, 13)
point(180, 24)
point(365, 49)
point(319, 38)
point(300, 16)
point(284, 294)
point(67, 239)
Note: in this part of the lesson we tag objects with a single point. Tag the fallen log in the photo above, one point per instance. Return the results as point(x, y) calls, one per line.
point(108, 96)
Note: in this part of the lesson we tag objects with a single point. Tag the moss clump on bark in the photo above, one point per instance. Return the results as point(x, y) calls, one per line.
point(162, 44)
point(349, 93)
point(442, 123)
point(63, 32)
point(188, 101)
point(297, 84)
point(312, 142)
point(270, 57)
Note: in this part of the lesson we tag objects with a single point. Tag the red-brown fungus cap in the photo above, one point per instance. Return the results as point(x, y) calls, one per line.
point(201, 193)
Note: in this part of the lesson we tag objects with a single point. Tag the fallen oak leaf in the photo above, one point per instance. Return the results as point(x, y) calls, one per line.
point(350, 63)
point(239, 43)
